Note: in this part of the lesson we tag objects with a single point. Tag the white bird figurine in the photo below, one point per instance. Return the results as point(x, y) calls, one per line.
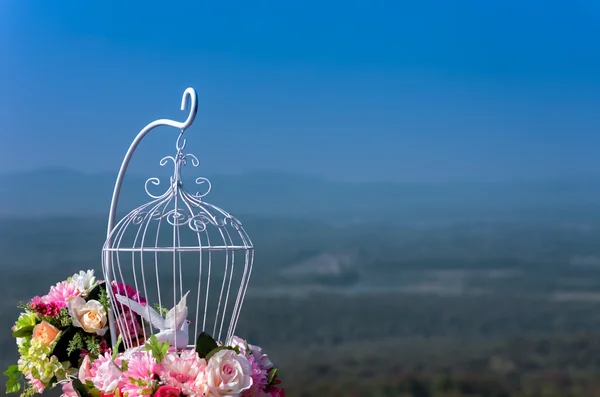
point(173, 328)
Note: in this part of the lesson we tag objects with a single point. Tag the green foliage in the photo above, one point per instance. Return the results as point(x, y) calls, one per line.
point(205, 344)
point(103, 297)
point(115, 351)
point(162, 310)
point(24, 325)
point(218, 349)
point(64, 319)
point(80, 388)
point(158, 349)
point(28, 392)
point(23, 332)
point(75, 344)
point(271, 376)
point(92, 344)
point(13, 384)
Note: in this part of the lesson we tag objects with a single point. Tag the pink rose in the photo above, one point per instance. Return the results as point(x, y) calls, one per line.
point(228, 373)
point(85, 369)
point(167, 391)
point(68, 390)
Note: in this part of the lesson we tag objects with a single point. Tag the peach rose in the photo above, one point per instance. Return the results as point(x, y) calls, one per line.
point(89, 315)
point(45, 333)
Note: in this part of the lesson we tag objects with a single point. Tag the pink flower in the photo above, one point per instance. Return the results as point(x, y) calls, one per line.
point(51, 309)
point(68, 390)
point(128, 291)
point(130, 324)
point(259, 379)
point(36, 384)
point(228, 373)
point(85, 369)
point(181, 370)
point(167, 391)
point(104, 373)
point(262, 359)
point(61, 293)
point(104, 346)
point(274, 392)
point(35, 302)
point(140, 375)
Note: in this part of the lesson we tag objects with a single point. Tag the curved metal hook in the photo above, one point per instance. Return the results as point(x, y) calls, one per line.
point(181, 142)
point(190, 98)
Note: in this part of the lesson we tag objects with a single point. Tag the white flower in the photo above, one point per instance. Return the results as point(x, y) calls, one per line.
point(228, 373)
point(84, 282)
point(90, 315)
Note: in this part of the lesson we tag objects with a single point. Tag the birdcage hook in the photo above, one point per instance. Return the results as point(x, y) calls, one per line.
point(181, 142)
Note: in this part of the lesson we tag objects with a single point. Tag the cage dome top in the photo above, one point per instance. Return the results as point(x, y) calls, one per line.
point(196, 223)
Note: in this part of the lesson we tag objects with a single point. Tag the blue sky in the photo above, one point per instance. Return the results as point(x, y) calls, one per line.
point(372, 90)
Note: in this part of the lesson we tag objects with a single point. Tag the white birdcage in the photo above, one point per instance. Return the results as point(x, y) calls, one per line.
point(173, 244)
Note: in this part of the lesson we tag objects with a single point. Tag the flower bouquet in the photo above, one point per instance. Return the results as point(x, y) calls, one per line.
point(63, 340)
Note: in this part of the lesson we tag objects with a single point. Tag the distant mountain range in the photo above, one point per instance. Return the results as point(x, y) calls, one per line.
point(65, 192)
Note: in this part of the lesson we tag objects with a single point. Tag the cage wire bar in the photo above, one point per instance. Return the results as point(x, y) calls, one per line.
point(198, 241)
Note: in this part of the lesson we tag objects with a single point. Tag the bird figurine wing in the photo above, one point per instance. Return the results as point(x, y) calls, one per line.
point(146, 312)
point(179, 338)
point(177, 315)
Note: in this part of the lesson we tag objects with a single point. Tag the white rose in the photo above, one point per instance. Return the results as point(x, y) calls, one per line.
point(228, 373)
point(84, 282)
point(90, 315)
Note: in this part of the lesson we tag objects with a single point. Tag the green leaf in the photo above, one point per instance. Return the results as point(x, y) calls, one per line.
point(12, 372)
point(27, 319)
point(92, 344)
point(159, 350)
point(219, 348)
point(13, 384)
point(160, 309)
point(104, 299)
point(271, 376)
point(23, 332)
point(117, 346)
point(80, 389)
point(95, 392)
point(95, 292)
point(205, 344)
point(69, 345)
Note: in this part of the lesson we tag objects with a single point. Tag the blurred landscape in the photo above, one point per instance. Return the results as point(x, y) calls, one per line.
point(369, 289)
point(419, 179)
